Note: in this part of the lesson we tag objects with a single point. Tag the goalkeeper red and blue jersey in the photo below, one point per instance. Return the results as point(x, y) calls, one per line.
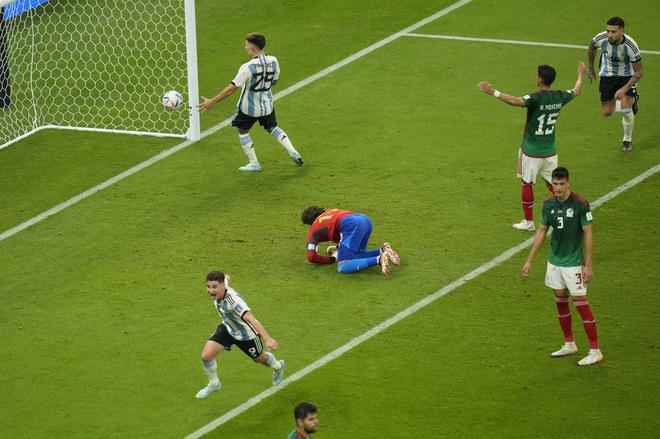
point(325, 228)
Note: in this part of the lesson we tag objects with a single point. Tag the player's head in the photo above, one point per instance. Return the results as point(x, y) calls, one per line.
point(215, 284)
point(311, 213)
point(254, 43)
point(305, 415)
point(615, 29)
point(545, 75)
point(560, 182)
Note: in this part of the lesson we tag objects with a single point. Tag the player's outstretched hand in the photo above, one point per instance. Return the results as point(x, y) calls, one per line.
point(588, 274)
point(582, 69)
point(205, 105)
point(486, 87)
point(526, 268)
point(271, 344)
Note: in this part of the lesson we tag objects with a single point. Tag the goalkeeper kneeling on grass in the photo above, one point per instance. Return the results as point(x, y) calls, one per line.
point(351, 231)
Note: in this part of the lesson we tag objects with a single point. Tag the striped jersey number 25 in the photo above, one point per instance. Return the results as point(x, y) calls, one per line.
point(264, 81)
point(549, 124)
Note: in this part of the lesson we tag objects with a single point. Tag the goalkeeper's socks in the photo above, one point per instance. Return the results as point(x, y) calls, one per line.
point(353, 265)
point(248, 148)
point(283, 139)
point(211, 370)
point(272, 362)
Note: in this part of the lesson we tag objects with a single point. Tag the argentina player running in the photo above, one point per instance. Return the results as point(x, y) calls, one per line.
point(239, 327)
point(256, 76)
point(620, 68)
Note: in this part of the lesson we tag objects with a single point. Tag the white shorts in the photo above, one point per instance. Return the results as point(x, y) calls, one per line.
point(529, 167)
point(569, 278)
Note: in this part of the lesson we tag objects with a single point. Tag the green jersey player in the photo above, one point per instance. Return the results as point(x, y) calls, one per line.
point(538, 151)
point(569, 265)
point(306, 421)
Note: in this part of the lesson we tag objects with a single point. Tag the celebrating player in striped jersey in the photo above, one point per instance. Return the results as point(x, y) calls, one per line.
point(538, 151)
point(351, 230)
point(238, 327)
point(568, 269)
point(256, 76)
point(620, 68)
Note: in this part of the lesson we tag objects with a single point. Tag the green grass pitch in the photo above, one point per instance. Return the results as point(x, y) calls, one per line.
point(103, 312)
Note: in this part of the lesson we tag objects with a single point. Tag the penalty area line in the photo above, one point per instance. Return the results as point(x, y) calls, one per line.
point(518, 42)
point(168, 152)
point(401, 315)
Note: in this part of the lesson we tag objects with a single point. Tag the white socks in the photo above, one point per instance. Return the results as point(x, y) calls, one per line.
point(248, 148)
point(628, 122)
point(211, 371)
point(272, 362)
point(283, 139)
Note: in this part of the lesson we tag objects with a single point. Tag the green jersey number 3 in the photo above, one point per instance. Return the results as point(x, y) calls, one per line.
point(548, 124)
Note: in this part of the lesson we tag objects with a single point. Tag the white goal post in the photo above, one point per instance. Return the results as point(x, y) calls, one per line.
point(97, 65)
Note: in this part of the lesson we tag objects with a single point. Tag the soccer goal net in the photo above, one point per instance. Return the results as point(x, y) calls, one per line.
point(97, 65)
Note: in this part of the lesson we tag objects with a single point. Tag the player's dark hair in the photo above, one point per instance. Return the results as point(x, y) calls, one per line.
point(547, 74)
point(616, 21)
point(216, 275)
point(560, 174)
point(257, 39)
point(311, 213)
point(303, 409)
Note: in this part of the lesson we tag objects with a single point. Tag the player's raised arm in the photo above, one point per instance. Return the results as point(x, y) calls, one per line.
point(511, 100)
point(538, 242)
point(581, 70)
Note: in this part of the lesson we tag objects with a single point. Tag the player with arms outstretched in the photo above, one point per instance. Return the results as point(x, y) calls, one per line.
point(538, 151)
point(351, 231)
point(239, 327)
point(256, 76)
point(620, 68)
point(569, 261)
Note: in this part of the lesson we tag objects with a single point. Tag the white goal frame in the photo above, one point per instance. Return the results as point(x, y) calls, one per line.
point(193, 131)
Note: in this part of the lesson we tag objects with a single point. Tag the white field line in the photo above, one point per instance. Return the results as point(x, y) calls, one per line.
point(400, 316)
point(522, 43)
point(168, 152)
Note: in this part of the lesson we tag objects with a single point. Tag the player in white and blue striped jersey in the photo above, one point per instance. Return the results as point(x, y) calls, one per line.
point(620, 68)
point(239, 327)
point(256, 77)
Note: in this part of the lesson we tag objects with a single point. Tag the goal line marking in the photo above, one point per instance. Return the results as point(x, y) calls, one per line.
point(519, 42)
point(401, 315)
point(168, 152)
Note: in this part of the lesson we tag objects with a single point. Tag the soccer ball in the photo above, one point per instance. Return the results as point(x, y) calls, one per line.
point(172, 100)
